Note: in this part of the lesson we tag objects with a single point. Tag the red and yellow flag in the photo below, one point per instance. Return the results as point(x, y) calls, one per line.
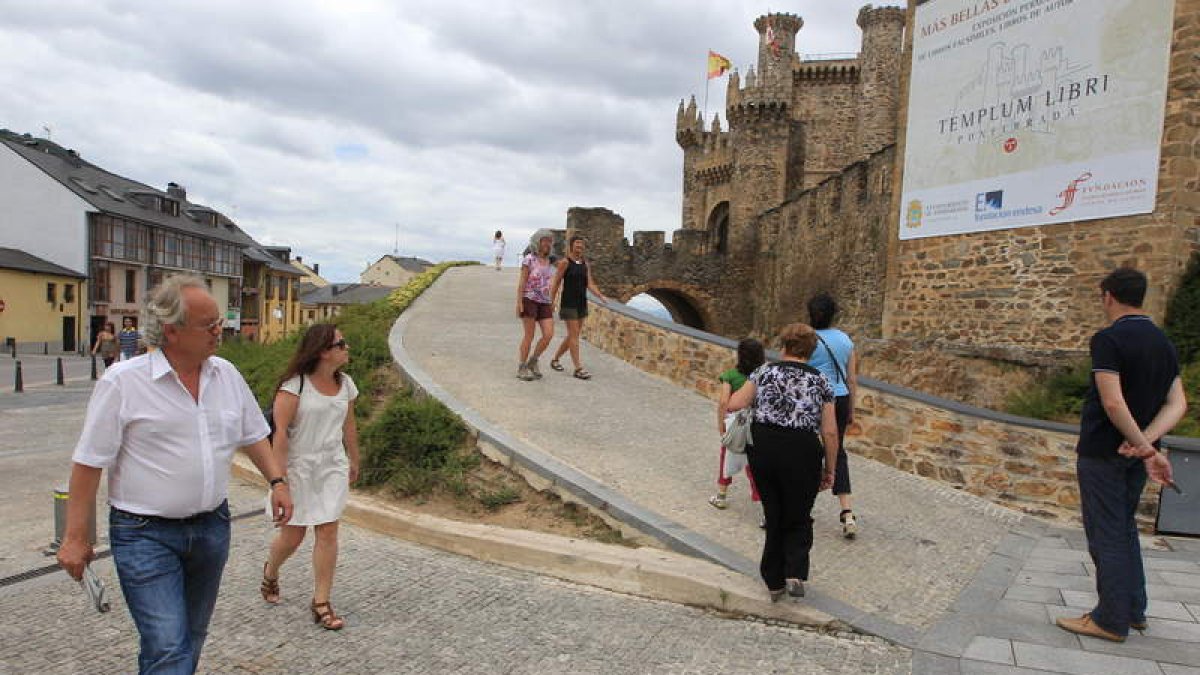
point(717, 64)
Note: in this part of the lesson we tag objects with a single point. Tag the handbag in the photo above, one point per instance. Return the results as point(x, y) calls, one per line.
point(737, 431)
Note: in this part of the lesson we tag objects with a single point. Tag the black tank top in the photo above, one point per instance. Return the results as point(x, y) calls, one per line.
point(574, 293)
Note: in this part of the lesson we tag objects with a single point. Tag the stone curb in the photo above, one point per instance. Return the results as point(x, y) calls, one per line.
point(645, 572)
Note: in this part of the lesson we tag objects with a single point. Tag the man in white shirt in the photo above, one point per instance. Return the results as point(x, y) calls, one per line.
point(165, 425)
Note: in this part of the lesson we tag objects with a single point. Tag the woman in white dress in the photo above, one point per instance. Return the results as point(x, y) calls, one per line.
point(316, 435)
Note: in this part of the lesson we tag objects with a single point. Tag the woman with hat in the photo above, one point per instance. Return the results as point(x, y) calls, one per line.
point(534, 306)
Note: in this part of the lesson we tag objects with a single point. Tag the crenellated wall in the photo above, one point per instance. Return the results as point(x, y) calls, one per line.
point(1021, 463)
point(831, 238)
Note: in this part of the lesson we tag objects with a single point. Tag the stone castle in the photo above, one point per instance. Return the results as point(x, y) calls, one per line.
point(799, 194)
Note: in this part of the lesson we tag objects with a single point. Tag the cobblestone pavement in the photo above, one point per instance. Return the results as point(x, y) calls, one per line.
point(656, 443)
point(978, 586)
point(409, 609)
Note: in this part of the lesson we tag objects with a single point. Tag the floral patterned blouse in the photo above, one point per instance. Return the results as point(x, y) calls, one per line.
point(790, 394)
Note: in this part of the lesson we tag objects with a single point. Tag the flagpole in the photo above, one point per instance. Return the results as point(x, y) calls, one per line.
point(707, 80)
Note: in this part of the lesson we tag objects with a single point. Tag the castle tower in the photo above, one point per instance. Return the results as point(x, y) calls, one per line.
point(763, 134)
point(879, 84)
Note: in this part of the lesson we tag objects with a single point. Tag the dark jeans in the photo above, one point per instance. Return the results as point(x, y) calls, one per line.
point(841, 473)
point(787, 470)
point(1109, 491)
point(170, 572)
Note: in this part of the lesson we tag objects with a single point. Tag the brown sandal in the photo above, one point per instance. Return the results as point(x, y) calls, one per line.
point(327, 618)
point(269, 587)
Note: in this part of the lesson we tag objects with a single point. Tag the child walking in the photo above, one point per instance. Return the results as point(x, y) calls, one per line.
point(750, 356)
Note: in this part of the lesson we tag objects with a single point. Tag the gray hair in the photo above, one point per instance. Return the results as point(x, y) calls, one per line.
point(165, 306)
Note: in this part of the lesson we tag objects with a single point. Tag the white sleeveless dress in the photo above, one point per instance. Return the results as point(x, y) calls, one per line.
point(318, 469)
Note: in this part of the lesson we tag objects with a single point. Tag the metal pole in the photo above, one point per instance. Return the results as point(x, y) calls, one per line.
point(45, 348)
point(58, 377)
point(93, 366)
point(19, 385)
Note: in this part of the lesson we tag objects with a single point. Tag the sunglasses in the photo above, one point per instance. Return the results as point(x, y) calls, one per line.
point(340, 344)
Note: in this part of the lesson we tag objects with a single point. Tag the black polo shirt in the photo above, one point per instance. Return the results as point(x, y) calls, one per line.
point(1143, 356)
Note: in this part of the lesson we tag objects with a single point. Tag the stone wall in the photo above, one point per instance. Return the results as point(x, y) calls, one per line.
point(831, 238)
point(1036, 287)
point(1024, 464)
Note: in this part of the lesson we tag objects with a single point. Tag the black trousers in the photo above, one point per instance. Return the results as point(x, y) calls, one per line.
point(841, 473)
point(787, 467)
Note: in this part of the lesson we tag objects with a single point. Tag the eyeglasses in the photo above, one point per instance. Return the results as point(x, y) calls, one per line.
point(340, 344)
point(213, 327)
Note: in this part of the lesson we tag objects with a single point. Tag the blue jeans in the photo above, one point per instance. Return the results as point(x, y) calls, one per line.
point(170, 573)
point(1109, 491)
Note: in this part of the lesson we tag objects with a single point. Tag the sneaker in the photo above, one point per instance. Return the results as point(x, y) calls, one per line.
point(849, 526)
point(534, 370)
point(795, 588)
point(523, 373)
point(718, 501)
point(1085, 626)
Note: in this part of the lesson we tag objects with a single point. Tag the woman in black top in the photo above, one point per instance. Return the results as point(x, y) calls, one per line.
point(793, 416)
point(575, 277)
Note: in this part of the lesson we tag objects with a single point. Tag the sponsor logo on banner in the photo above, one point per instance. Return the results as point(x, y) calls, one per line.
point(915, 209)
point(1068, 195)
point(989, 201)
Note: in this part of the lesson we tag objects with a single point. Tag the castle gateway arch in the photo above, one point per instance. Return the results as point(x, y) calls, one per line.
point(680, 301)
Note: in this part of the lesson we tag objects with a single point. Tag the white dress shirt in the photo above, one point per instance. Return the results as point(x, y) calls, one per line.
point(166, 453)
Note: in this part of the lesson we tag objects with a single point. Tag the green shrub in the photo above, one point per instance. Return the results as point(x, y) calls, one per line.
point(1060, 397)
point(413, 445)
point(1190, 424)
point(1182, 322)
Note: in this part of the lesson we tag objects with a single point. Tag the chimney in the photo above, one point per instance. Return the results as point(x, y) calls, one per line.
point(317, 268)
point(177, 191)
point(300, 260)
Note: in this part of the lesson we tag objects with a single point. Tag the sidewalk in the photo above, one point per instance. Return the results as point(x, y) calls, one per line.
point(937, 570)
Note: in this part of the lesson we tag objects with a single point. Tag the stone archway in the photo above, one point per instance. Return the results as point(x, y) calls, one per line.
point(685, 303)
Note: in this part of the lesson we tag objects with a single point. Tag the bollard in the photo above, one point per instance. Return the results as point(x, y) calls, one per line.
point(58, 375)
point(93, 367)
point(19, 385)
point(61, 498)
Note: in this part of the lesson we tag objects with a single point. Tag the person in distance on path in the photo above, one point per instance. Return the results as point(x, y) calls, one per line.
point(498, 249)
point(166, 425)
point(793, 419)
point(317, 440)
point(574, 275)
point(534, 307)
point(1136, 397)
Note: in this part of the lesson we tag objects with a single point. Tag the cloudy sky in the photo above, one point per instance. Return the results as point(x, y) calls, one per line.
point(324, 125)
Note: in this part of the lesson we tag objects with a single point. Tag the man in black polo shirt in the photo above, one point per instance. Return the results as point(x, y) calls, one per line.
point(1135, 399)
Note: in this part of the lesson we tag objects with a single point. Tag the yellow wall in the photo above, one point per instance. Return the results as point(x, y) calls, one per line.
point(278, 317)
point(30, 318)
point(386, 272)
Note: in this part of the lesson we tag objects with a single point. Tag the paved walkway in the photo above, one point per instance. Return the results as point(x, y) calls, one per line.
point(409, 609)
point(943, 572)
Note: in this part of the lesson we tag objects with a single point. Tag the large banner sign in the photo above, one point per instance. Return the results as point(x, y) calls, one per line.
point(1027, 112)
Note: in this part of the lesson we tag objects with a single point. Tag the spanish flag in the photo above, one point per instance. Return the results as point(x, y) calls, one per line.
point(717, 64)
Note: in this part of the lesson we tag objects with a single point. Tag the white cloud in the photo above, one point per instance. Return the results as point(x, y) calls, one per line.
point(320, 125)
